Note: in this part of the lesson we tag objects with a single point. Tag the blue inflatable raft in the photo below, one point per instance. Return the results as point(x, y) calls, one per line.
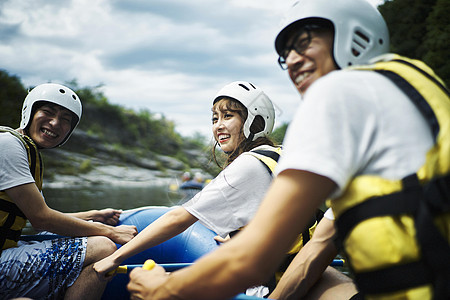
point(186, 247)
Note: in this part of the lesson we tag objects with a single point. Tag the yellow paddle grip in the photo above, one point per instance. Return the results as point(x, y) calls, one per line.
point(149, 264)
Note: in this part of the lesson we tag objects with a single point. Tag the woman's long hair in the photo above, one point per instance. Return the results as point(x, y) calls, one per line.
point(244, 144)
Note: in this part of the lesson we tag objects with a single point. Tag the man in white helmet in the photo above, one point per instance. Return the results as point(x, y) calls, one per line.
point(374, 139)
point(58, 267)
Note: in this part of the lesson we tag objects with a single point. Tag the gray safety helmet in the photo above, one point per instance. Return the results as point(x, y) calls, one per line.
point(360, 32)
point(54, 93)
point(256, 102)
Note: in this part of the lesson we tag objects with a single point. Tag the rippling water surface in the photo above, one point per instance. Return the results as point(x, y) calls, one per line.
point(75, 199)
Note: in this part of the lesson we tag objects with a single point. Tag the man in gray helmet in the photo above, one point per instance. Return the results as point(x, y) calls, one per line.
point(59, 267)
point(373, 136)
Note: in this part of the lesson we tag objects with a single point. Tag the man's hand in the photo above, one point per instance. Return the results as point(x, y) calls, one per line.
point(143, 284)
point(107, 216)
point(123, 234)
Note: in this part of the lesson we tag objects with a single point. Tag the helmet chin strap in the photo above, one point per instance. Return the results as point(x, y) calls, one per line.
point(26, 132)
point(250, 137)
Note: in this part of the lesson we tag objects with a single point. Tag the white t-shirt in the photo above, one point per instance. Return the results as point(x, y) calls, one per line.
point(353, 123)
point(14, 168)
point(230, 200)
point(329, 214)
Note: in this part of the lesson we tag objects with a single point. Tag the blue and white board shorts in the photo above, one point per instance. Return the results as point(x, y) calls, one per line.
point(41, 270)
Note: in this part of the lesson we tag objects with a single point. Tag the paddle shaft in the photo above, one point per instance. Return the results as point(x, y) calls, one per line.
point(176, 266)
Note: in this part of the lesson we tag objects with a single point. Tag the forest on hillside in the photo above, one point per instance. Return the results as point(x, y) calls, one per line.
point(420, 29)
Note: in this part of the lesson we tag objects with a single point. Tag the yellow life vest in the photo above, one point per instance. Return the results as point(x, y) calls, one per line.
point(12, 219)
point(270, 160)
point(396, 233)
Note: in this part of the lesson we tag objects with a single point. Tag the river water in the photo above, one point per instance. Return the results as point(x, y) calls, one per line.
point(74, 199)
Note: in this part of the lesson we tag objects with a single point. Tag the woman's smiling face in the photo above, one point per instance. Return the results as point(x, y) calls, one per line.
point(227, 126)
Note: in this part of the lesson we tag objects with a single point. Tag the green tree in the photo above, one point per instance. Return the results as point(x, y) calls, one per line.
point(437, 40)
point(12, 94)
point(278, 134)
point(420, 29)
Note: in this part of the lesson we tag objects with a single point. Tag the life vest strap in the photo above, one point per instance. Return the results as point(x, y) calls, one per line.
point(272, 154)
point(436, 193)
point(269, 154)
point(422, 203)
point(400, 277)
point(416, 98)
point(435, 248)
point(11, 208)
point(424, 73)
point(9, 234)
point(6, 233)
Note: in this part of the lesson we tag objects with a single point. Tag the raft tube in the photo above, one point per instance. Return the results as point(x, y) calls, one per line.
point(186, 247)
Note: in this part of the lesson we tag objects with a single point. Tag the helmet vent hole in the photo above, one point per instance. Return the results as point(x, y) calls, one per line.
point(244, 87)
point(362, 36)
point(252, 85)
point(360, 43)
point(355, 52)
point(74, 98)
point(258, 124)
point(380, 41)
point(62, 91)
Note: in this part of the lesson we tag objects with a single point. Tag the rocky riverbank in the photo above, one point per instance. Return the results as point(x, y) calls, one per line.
point(86, 161)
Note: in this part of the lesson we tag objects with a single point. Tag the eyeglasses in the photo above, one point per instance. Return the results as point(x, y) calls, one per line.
point(299, 44)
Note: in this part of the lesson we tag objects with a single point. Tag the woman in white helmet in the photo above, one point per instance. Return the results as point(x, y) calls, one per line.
point(374, 139)
point(242, 119)
point(60, 267)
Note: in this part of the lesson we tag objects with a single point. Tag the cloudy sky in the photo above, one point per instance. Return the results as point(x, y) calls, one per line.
point(167, 56)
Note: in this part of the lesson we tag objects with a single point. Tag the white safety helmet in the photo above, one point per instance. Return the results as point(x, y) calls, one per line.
point(256, 102)
point(360, 32)
point(54, 93)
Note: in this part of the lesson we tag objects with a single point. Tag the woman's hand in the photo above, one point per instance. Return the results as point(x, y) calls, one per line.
point(220, 239)
point(105, 266)
point(144, 284)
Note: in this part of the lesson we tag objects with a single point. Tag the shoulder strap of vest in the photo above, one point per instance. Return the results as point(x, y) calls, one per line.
point(5, 229)
point(416, 71)
point(269, 158)
point(34, 156)
point(429, 75)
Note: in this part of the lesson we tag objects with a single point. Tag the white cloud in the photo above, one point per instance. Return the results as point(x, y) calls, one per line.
point(167, 56)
